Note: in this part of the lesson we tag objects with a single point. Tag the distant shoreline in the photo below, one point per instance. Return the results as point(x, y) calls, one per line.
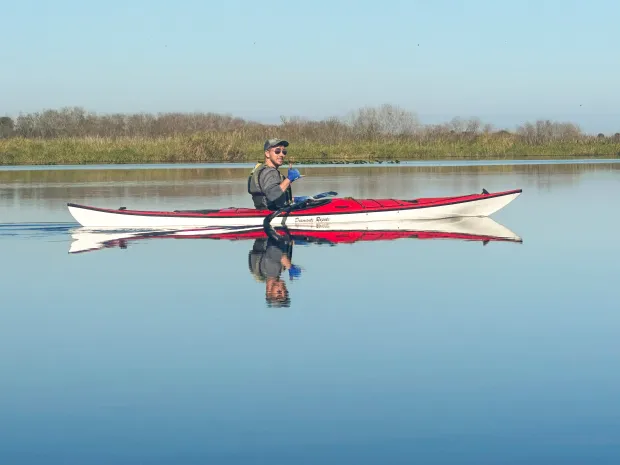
point(196, 149)
point(387, 134)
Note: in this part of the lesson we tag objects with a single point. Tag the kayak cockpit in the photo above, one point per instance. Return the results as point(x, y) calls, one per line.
point(198, 212)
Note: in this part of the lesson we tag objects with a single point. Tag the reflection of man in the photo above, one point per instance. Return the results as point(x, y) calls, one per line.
point(267, 260)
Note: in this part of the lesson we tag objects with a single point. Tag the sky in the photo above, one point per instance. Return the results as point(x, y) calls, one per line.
point(504, 62)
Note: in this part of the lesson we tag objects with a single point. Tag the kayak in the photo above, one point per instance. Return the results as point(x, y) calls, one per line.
point(320, 211)
point(481, 229)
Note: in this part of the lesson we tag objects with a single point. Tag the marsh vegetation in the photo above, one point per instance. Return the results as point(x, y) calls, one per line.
point(385, 133)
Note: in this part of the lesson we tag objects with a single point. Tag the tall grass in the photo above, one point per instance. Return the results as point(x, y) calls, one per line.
point(73, 136)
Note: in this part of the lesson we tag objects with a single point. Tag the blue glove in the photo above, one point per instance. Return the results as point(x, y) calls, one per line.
point(301, 198)
point(294, 272)
point(293, 174)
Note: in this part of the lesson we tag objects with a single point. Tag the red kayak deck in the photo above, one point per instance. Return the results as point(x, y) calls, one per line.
point(349, 204)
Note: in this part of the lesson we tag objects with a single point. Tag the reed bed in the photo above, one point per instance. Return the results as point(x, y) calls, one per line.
point(384, 134)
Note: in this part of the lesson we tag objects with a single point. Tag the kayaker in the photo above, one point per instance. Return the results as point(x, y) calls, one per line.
point(270, 189)
point(267, 261)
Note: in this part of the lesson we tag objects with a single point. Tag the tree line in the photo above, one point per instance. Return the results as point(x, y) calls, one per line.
point(365, 124)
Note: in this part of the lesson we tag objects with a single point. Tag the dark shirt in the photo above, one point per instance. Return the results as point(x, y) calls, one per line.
point(270, 180)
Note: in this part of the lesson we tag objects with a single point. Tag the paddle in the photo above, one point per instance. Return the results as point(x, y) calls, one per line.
point(312, 201)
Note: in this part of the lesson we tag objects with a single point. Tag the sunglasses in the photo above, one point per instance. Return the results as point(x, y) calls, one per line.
point(278, 151)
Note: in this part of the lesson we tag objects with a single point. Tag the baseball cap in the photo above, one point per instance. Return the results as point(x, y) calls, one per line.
point(274, 142)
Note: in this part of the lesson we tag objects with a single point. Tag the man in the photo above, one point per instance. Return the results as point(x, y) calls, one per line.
point(270, 190)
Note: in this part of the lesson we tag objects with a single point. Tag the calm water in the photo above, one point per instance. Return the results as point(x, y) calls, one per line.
point(437, 351)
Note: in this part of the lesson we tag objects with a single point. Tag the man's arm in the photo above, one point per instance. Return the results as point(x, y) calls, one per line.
point(284, 184)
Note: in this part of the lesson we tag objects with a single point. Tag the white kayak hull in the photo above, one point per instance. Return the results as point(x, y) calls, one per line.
point(315, 217)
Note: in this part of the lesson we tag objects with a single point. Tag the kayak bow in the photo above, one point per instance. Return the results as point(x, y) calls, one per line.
point(316, 214)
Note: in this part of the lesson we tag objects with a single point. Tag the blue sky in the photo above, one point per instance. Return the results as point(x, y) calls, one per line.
point(504, 62)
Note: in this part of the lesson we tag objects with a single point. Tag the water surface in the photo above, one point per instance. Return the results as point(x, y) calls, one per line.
point(437, 351)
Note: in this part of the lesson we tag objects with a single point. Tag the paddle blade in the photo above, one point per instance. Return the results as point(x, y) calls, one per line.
point(323, 195)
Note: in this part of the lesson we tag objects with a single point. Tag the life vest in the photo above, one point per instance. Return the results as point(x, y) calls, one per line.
point(256, 191)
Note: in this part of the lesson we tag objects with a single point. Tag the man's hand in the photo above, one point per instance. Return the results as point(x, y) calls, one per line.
point(293, 174)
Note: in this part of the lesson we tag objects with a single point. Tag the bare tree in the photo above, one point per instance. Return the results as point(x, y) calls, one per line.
point(225, 132)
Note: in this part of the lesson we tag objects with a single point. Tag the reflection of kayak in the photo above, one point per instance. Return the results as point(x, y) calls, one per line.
point(336, 210)
point(481, 229)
